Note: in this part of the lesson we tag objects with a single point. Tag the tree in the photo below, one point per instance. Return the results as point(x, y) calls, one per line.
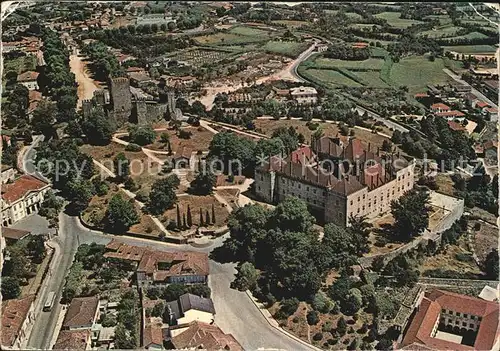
point(247, 276)
point(165, 138)
point(202, 222)
point(98, 128)
point(162, 195)
point(208, 221)
point(213, 213)
point(312, 317)
point(80, 193)
point(411, 213)
point(490, 265)
point(293, 214)
point(386, 146)
point(322, 303)
point(378, 263)
point(122, 167)
point(341, 326)
point(352, 302)
point(141, 135)
point(189, 219)
point(36, 247)
point(178, 212)
point(44, 117)
point(397, 137)
point(203, 183)
point(121, 214)
point(10, 288)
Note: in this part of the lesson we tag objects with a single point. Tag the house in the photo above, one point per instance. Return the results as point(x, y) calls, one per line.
point(17, 320)
point(444, 321)
point(360, 45)
point(139, 79)
point(304, 95)
point(12, 235)
point(82, 313)
point(136, 70)
point(73, 340)
point(29, 79)
point(456, 126)
point(490, 149)
point(480, 104)
point(452, 115)
point(21, 198)
point(491, 112)
point(199, 335)
point(321, 47)
point(182, 159)
point(188, 308)
point(102, 336)
point(153, 334)
point(34, 98)
point(490, 294)
point(460, 89)
point(440, 107)
point(162, 268)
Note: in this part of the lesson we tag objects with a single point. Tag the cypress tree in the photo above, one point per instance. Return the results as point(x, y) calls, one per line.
point(189, 218)
point(201, 219)
point(213, 213)
point(184, 221)
point(207, 218)
point(178, 217)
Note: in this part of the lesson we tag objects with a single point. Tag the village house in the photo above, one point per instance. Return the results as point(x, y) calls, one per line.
point(162, 268)
point(450, 321)
point(188, 308)
point(440, 108)
point(29, 79)
point(199, 335)
point(304, 95)
point(335, 193)
point(452, 115)
point(82, 313)
point(73, 340)
point(21, 198)
point(182, 159)
point(17, 320)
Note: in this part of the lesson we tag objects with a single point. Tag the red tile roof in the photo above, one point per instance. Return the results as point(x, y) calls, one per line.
point(21, 187)
point(456, 126)
point(34, 95)
point(153, 333)
point(135, 69)
point(440, 106)
point(14, 312)
point(72, 340)
point(205, 336)
point(429, 312)
point(421, 95)
point(28, 76)
point(81, 312)
point(453, 113)
point(492, 110)
point(14, 234)
point(482, 104)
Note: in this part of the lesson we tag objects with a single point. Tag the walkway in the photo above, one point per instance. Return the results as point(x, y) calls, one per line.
point(86, 85)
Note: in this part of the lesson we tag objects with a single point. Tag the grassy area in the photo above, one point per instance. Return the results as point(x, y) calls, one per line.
point(19, 64)
point(394, 20)
point(484, 239)
point(472, 35)
point(286, 48)
point(248, 31)
point(369, 64)
point(443, 19)
point(291, 23)
point(332, 78)
point(472, 49)
point(372, 78)
point(228, 39)
point(417, 72)
point(448, 30)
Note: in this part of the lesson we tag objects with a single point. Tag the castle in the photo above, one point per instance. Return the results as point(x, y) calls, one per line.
point(338, 177)
point(123, 106)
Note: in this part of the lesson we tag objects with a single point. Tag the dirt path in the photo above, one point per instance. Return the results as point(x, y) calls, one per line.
point(86, 85)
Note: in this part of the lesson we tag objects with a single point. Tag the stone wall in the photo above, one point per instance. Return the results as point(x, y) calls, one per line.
point(121, 99)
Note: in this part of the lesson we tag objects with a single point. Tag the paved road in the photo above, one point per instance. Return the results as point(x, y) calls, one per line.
point(28, 158)
point(473, 90)
point(388, 123)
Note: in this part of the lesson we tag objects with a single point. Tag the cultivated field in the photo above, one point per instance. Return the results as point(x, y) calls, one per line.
point(448, 30)
point(286, 48)
point(332, 78)
point(394, 20)
point(199, 57)
point(472, 49)
point(417, 72)
point(369, 64)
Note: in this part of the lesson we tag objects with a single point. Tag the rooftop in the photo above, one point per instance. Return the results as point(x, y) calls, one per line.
point(206, 336)
point(14, 234)
point(81, 312)
point(72, 340)
point(430, 309)
point(303, 90)
point(440, 105)
point(153, 333)
point(21, 187)
point(28, 76)
point(14, 313)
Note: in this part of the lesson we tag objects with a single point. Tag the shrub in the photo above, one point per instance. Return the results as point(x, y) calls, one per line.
point(322, 303)
point(289, 306)
point(326, 326)
point(312, 317)
point(133, 147)
point(295, 319)
point(318, 336)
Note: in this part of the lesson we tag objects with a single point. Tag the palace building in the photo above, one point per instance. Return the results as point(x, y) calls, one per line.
point(337, 177)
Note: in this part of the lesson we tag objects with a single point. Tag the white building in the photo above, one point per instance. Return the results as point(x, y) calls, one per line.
point(304, 95)
point(21, 198)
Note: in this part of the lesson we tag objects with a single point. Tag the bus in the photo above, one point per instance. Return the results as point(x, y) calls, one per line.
point(49, 302)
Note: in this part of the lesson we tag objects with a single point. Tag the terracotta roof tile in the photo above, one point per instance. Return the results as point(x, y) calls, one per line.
point(15, 234)
point(206, 336)
point(440, 106)
point(153, 333)
point(81, 312)
point(27, 76)
point(453, 113)
point(21, 187)
point(72, 340)
point(14, 312)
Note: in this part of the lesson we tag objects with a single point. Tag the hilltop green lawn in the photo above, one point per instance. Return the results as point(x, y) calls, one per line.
point(417, 72)
point(394, 20)
point(286, 48)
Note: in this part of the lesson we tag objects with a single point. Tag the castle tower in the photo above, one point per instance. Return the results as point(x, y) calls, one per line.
point(121, 99)
point(99, 97)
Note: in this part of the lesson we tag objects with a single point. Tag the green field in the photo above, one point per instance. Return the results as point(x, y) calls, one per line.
point(248, 31)
point(372, 79)
point(472, 49)
point(20, 64)
point(417, 72)
point(394, 20)
point(443, 31)
point(471, 35)
point(365, 25)
point(227, 39)
point(443, 19)
point(291, 23)
point(371, 63)
point(331, 77)
point(286, 48)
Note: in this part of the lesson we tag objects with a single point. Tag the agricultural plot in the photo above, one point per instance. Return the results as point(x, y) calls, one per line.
point(417, 72)
point(332, 78)
point(440, 32)
point(369, 64)
point(472, 49)
point(228, 39)
point(286, 48)
point(290, 23)
point(248, 31)
point(394, 20)
point(199, 57)
point(472, 35)
point(443, 19)
point(20, 64)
